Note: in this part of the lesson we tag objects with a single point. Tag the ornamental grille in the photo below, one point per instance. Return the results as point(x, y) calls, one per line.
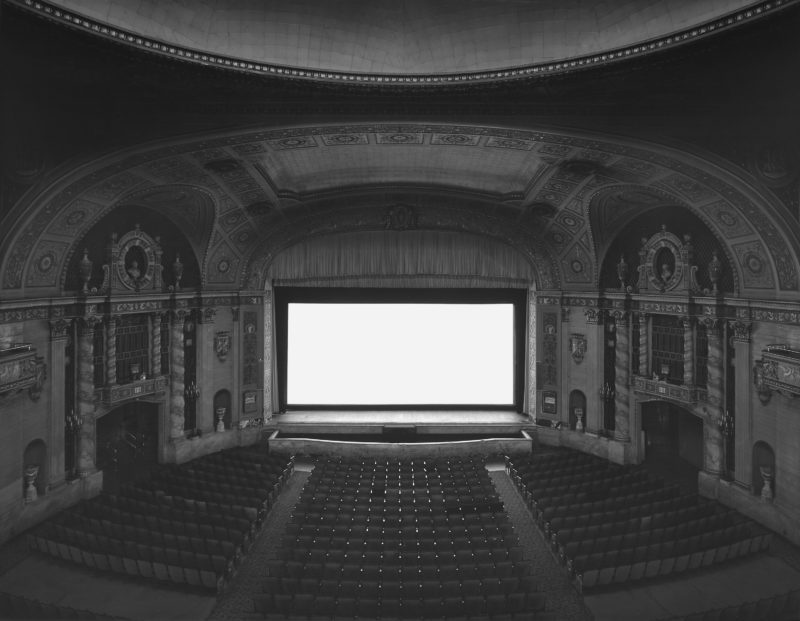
point(98, 358)
point(132, 348)
point(668, 348)
point(701, 357)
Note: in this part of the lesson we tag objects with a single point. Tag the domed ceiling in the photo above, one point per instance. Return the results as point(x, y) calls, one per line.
point(404, 41)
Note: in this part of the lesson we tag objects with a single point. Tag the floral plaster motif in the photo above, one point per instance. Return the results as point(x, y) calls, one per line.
point(756, 270)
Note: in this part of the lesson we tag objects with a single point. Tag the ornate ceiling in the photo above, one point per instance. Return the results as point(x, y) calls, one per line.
point(556, 196)
point(413, 42)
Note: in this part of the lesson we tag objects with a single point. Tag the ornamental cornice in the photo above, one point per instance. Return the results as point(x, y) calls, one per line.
point(403, 80)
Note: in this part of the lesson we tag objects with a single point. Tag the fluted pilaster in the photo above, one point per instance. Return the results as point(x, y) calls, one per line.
point(86, 437)
point(622, 362)
point(268, 349)
point(644, 345)
point(176, 401)
point(111, 351)
point(688, 352)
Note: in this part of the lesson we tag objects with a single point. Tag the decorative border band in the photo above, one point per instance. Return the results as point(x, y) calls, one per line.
point(80, 22)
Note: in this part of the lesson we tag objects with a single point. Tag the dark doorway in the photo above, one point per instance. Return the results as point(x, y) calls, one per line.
point(127, 444)
point(673, 443)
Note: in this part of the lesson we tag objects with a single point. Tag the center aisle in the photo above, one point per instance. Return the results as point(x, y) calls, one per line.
point(562, 598)
point(237, 602)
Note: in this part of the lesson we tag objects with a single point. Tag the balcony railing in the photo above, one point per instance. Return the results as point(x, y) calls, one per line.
point(663, 390)
point(111, 395)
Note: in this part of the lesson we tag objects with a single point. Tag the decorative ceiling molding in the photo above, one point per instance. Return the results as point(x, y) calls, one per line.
point(400, 80)
point(735, 208)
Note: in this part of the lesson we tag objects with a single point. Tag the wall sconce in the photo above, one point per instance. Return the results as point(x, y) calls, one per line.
point(607, 392)
point(191, 392)
point(725, 423)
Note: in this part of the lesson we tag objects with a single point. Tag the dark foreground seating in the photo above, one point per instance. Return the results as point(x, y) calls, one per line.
point(187, 525)
point(613, 524)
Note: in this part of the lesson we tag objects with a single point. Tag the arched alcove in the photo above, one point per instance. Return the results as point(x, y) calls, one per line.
point(764, 470)
point(646, 222)
point(34, 458)
point(222, 409)
point(577, 410)
point(126, 218)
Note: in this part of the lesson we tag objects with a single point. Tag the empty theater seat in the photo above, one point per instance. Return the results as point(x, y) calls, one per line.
point(613, 524)
point(411, 539)
point(187, 525)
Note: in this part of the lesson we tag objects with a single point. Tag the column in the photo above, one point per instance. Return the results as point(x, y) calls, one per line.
point(111, 352)
point(596, 343)
point(86, 437)
point(644, 345)
point(712, 449)
point(204, 370)
point(622, 364)
point(236, 361)
point(744, 385)
point(688, 352)
point(176, 402)
point(267, 404)
point(59, 336)
point(531, 354)
point(155, 344)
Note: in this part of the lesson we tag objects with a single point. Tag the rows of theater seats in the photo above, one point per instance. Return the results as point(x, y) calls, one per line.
point(613, 524)
point(187, 525)
point(783, 607)
point(18, 607)
point(407, 539)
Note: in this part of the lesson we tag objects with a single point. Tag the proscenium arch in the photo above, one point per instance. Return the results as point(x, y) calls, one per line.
point(369, 219)
point(42, 227)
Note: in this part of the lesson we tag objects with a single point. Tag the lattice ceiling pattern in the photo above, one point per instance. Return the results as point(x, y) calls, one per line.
point(546, 193)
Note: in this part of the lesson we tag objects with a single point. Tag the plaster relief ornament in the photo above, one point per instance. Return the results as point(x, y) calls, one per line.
point(577, 347)
point(222, 345)
point(665, 263)
point(133, 262)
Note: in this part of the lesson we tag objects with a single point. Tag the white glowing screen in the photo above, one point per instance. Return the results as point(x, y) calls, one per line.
point(400, 354)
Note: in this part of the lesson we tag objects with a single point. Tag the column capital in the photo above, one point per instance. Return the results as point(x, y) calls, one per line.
point(686, 321)
point(89, 324)
point(741, 330)
point(179, 314)
point(712, 324)
point(208, 315)
point(59, 329)
point(621, 317)
point(593, 315)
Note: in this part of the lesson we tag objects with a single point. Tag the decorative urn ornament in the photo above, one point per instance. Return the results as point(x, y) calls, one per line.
point(85, 270)
point(31, 472)
point(714, 272)
point(177, 271)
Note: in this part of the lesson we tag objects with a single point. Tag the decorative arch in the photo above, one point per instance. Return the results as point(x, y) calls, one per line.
point(661, 227)
point(258, 197)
